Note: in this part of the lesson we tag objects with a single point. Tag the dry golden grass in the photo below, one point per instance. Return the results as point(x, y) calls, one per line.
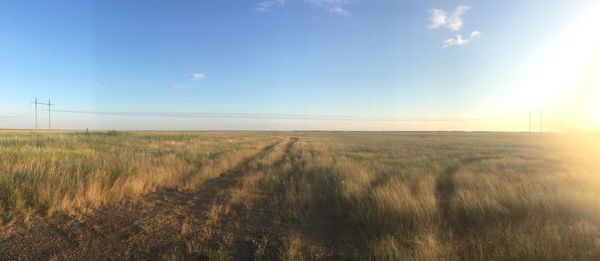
point(445, 197)
point(44, 173)
point(298, 196)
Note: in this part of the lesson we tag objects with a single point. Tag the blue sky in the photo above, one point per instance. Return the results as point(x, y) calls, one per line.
point(378, 58)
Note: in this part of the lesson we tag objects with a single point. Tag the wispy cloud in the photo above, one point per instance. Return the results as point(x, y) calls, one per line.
point(176, 87)
point(458, 40)
point(337, 7)
point(268, 5)
point(194, 77)
point(438, 18)
point(453, 22)
point(455, 41)
point(333, 6)
point(197, 76)
point(339, 11)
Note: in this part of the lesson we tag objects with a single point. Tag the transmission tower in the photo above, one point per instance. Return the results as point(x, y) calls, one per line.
point(49, 112)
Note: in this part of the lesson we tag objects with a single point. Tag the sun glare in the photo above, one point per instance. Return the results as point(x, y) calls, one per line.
point(597, 113)
point(565, 78)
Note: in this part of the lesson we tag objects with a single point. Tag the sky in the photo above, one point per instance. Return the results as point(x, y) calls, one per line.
point(301, 64)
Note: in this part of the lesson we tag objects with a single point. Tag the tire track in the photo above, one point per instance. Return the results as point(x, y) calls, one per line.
point(325, 233)
point(234, 229)
point(445, 190)
point(140, 230)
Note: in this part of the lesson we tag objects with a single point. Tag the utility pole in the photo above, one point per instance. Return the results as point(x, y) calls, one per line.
point(36, 104)
point(540, 121)
point(529, 121)
point(36, 112)
point(49, 115)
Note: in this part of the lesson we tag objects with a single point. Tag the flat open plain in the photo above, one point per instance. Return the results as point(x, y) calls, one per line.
point(299, 195)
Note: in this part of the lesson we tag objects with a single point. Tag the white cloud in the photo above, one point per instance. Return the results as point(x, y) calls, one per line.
point(438, 18)
point(453, 22)
point(198, 76)
point(268, 5)
point(455, 41)
point(333, 6)
point(339, 11)
point(458, 40)
point(176, 87)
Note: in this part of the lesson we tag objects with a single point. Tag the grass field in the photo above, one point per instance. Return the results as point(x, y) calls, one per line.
point(299, 195)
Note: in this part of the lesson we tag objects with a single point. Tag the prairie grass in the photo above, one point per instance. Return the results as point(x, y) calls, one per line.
point(42, 173)
point(443, 196)
point(364, 196)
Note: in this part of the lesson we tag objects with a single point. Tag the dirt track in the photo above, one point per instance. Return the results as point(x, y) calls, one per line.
point(209, 222)
point(162, 225)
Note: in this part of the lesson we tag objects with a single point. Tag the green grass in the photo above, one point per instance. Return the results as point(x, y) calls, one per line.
point(380, 196)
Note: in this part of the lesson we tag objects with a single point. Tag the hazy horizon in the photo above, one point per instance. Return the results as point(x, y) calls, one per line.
point(410, 65)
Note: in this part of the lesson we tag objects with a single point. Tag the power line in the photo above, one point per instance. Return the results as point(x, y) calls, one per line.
point(276, 116)
point(529, 121)
point(16, 113)
point(16, 118)
point(36, 110)
point(36, 104)
point(540, 121)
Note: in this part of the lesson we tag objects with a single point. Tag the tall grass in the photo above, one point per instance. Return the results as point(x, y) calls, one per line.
point(369, 196)
point(76, 172)
point(444, 197)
